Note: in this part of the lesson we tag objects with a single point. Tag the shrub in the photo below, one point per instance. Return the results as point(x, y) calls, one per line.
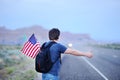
point(9, 70)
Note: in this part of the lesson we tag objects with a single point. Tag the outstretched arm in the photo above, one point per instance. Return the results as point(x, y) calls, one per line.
point(78, 53)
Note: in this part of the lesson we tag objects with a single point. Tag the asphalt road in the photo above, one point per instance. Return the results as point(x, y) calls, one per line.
point(77, 69)
point(105, 65)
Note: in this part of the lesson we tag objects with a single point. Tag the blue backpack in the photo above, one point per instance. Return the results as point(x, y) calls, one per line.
point(43, 62)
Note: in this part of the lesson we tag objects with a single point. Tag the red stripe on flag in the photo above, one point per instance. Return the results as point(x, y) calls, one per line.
point(26, 47)
point(35, 51)
point(31, 50)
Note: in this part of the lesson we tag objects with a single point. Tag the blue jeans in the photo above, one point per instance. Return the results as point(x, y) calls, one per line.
point(49, 77)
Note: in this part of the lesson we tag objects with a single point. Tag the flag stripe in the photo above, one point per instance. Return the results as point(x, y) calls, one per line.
point(28, 50)
point(27, 46)
point(31, 50)
point(36, 51)
point(36, 48)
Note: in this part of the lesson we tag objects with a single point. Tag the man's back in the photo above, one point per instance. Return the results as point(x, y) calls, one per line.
point(55, 51)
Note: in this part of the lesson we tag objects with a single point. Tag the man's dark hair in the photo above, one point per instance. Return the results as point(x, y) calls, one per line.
point(54, 34)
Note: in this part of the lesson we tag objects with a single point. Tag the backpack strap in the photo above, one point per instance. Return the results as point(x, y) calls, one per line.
point(48, 46)
point(43, 45)
point(60, 59)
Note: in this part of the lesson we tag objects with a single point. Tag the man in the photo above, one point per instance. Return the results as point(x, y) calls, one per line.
point(55, 51)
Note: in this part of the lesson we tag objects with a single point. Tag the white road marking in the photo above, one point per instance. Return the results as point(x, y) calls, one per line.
point(96, 69)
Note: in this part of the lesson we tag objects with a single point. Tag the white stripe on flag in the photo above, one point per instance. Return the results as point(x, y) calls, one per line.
point(32, 50)
point(35, 50)
point(26, 47)
point(28, 50)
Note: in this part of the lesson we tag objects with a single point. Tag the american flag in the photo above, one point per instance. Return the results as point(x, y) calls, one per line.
point(31, 47)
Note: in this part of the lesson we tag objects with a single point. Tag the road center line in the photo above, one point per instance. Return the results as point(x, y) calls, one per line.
point(95, 69)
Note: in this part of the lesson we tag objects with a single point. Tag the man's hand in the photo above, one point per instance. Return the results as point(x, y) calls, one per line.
point(89, 54)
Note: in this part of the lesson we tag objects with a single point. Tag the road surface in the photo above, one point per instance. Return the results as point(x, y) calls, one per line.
point(105, 65)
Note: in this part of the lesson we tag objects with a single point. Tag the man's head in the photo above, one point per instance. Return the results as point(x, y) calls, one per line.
point(54, 34)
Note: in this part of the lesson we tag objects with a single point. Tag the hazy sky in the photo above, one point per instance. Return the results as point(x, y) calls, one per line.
point(99, 18)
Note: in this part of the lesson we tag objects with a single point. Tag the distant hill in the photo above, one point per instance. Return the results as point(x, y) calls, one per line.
point(19, 36)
